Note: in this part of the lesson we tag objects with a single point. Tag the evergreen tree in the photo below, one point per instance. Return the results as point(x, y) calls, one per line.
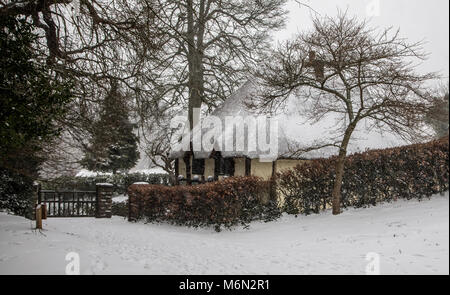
point(32, 97)
point(113, 144)
point(32, 100)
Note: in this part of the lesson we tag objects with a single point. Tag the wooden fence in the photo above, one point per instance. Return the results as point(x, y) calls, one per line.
point(69, 203)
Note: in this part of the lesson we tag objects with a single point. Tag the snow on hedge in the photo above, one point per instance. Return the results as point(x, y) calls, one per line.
point(87, 173)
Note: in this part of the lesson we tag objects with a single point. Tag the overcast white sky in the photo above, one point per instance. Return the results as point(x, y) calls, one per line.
point(417, 20)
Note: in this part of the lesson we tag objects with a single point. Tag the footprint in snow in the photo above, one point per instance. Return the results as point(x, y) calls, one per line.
point(418, 255)
point(396, 224)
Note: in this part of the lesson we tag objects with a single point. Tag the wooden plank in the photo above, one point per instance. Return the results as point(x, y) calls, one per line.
point(54, 205)
point(78, 204)
point(44, 210)
point(59, 204)
point(38, 217)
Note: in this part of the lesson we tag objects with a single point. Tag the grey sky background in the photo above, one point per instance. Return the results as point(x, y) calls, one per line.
point(417, 19)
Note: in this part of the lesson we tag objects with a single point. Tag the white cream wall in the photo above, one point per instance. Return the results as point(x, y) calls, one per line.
point(181, 167)
point(261, 169)
point(239, 167)
point(209, 168)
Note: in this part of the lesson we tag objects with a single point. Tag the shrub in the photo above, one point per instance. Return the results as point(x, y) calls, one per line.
point(233, 201)
point(15, 192)
point(413, 171)
point(121, 182)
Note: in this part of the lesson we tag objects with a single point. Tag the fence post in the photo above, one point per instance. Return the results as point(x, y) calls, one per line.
point(44, 210)
point(103, 200)
point(38, 216)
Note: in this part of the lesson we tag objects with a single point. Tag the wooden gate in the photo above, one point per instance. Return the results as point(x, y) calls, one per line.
point(69, 203)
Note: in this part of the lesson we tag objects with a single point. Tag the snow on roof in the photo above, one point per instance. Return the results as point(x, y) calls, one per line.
point(298, 137)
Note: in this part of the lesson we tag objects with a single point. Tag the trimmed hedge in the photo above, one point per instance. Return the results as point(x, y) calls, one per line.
point(15, 192)
point(414, 171)
point(121, 182)
point(226, 203)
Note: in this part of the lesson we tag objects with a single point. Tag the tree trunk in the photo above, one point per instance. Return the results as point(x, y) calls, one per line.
point(336, 194)
point(195, 31)
point(195, 63)
point(195, 85)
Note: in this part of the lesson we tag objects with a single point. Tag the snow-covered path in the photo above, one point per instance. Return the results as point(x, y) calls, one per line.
point(411, 237)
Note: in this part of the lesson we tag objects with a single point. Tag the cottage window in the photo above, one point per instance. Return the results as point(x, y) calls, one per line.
point(228, 166)
point(198, 166)
point(224, 166)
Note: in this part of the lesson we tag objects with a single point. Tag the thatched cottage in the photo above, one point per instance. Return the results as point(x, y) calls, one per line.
point(296, 139)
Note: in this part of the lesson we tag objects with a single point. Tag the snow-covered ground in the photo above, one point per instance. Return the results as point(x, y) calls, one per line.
point(410, 237)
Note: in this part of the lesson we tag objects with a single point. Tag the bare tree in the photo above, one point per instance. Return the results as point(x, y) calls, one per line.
point(158, 148)
point(344, 67)
point(83, 30)
point(92, 42)
point(210, 46)
point(167, 53)
point(437, 117)
point(61, 158)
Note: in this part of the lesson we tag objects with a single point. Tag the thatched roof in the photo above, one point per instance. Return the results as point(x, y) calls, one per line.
point(298, 137)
